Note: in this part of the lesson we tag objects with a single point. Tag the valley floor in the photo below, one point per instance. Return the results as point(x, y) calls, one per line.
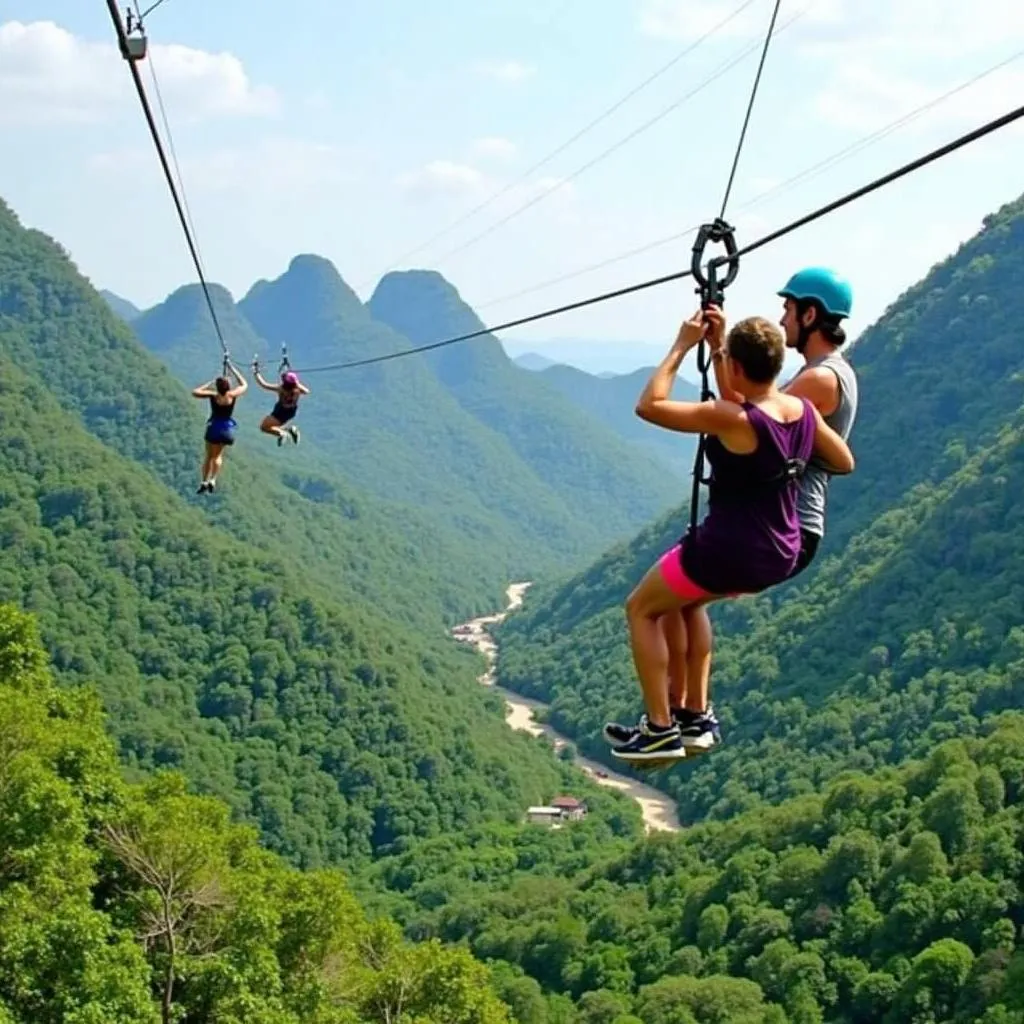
point(659, 812)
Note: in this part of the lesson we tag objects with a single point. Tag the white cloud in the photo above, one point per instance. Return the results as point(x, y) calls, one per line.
point(211, 83)
point(925, 29)
point(494, 147)
point(443, 178)
point(504, 70)
point(47, 74)
point(271, 166)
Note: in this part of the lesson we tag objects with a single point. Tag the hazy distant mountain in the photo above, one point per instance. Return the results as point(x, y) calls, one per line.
point(611, 398)
point(533, 361)
point(592, 355)
point(126, 310)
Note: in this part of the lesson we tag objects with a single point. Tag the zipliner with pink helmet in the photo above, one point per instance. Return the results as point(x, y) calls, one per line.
point(288, 392)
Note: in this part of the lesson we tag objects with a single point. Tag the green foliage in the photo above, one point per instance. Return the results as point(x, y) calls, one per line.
point(336, 730)
point(857, 853)
point(122, 308)
point(841, 907)
point(133, 904)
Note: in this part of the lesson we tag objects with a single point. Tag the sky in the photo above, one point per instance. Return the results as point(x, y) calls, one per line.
point(362, 131)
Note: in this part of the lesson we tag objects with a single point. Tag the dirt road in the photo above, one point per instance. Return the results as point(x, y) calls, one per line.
point(659, 812)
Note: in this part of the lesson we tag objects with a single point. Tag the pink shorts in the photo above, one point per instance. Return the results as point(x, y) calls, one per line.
point(672, 572)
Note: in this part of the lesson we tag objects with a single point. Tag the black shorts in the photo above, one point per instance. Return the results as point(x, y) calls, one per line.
point(283, 414)
point(808, 549)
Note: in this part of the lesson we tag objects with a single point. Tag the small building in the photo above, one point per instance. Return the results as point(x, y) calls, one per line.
point(571, 808)
point(543, 815)
point(562, 808)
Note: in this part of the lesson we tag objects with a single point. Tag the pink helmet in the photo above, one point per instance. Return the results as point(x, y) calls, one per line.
point(290, 378)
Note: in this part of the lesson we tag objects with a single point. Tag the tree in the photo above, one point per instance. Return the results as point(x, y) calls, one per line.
point(175, 847)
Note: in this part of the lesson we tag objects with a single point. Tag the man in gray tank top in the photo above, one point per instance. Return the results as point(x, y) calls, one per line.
point(816, 301)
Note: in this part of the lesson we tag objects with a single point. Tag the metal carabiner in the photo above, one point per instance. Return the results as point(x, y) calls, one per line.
point(710, 289)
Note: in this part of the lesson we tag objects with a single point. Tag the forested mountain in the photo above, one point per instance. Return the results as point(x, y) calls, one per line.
point(126, 310)
point(814, 891)
point(395, 430)
point(55, 327)
point(598, 476)
point(907, 629)
point(282, 645)
point(612, 400)
point(325, 705)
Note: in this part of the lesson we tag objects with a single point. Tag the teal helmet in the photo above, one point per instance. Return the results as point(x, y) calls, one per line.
point(824, 286)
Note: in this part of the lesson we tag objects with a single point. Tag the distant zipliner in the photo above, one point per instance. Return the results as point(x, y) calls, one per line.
point(288, 392)
point(220, 427)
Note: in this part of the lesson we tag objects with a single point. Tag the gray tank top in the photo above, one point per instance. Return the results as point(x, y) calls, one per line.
point(814, 484)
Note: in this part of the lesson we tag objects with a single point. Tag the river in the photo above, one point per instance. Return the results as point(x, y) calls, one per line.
point(659, 812)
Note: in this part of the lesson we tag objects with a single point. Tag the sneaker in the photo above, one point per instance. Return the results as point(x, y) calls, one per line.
point(201, 489)
point(280, 440)
point(652, 744)
point(700, 732)
point(617, 734)
point(294, 431)
point(210, 484)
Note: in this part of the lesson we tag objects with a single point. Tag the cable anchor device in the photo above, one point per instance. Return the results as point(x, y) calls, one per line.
point(710, 289)
point(135, 42)
point(284, 365)
point(712, 293)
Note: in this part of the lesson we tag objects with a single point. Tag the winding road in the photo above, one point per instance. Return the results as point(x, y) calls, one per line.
point(659, 812)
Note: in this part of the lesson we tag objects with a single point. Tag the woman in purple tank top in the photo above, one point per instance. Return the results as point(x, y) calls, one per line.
point(750, 538)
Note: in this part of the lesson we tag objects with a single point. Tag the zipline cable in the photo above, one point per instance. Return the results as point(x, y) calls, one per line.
point(122, 39)
point(568, 142)
point(615, 146)
point(750, 107)
point(170, 136)
point(834, 158)
point(711, 291)
point(149, 10)
point(914, 165)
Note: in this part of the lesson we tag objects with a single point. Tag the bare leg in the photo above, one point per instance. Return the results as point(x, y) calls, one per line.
point(698, 659)
point(269, 425)
point(648, 603)
point(217, 462)
point(208, 461)
point(674, 626)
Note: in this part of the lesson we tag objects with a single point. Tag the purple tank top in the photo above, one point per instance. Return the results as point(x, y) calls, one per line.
point(750, 538)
